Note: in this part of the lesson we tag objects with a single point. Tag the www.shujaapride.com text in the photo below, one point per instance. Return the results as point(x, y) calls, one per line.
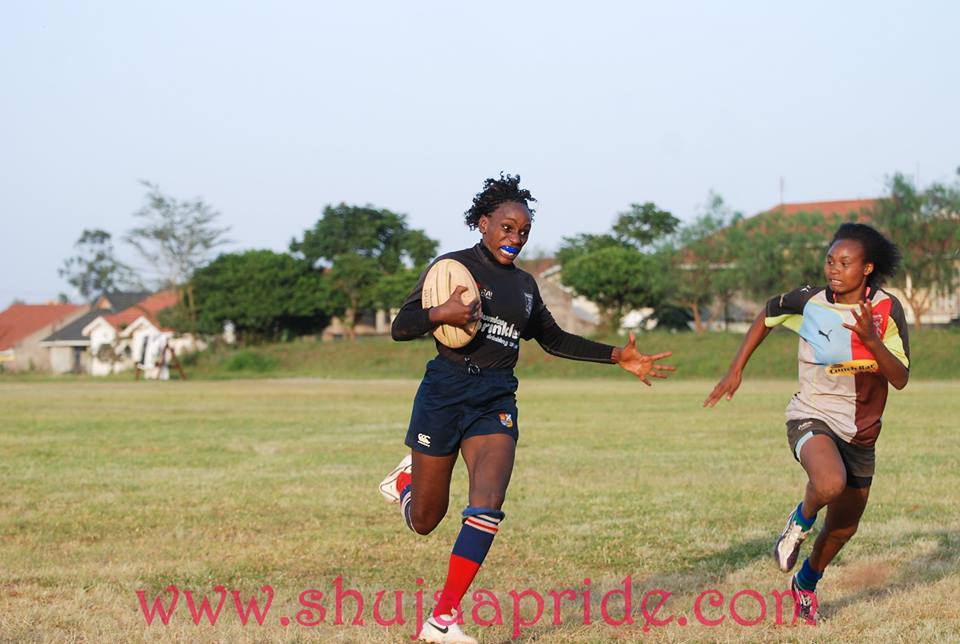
point(616, 607)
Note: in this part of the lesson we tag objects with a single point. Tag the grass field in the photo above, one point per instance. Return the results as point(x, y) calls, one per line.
point(111, 488)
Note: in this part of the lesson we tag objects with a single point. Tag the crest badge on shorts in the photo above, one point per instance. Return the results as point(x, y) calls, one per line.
point(506, 420)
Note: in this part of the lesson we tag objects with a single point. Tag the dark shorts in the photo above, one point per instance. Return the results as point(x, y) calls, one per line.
point(454, 403)
point(859, 461)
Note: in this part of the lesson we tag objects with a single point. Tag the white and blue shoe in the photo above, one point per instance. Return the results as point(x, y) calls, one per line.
point(806, 603)
point(388, 486)
point(787, 549)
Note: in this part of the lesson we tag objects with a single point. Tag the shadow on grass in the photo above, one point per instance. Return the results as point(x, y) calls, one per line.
point(922, 570)
point(709, 570)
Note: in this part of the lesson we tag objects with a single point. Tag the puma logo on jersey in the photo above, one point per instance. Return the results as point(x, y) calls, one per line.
point(826, 335)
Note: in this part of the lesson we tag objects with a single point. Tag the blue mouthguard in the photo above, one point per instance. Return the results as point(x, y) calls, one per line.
point(510, 249)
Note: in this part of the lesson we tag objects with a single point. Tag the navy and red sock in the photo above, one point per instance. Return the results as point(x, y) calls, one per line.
point(480, 526)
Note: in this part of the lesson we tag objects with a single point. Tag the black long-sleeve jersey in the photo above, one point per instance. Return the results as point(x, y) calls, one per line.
point(511, 310)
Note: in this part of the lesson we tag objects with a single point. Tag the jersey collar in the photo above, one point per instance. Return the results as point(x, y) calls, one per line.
point(831, 298)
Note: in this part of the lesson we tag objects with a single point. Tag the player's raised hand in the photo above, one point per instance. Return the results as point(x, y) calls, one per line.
point(727, 386)
point(642, 365)
point(864, 326)
point(454, 311)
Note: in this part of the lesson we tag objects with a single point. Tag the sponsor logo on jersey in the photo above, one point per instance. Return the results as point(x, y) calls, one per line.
point(826, 335)
point(528, 302)
point(485, 293)
point(852, 367)
point(423, 439)
point(506, 420)
point(494, 326)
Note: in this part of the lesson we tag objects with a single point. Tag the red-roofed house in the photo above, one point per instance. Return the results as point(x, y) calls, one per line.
point(24, 326)
point(843, 208)
point(134, 335)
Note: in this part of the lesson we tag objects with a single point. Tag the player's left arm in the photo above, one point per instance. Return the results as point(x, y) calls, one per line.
point(560, 343)
point(889, 365)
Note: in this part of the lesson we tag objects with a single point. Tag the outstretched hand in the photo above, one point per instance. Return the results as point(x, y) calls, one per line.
point(724, 389)
point(864, 327)
point(642, 365)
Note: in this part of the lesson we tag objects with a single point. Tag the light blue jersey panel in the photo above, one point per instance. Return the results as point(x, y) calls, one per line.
point(823, 330)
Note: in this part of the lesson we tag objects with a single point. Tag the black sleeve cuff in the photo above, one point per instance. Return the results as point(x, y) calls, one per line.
point(411, 323)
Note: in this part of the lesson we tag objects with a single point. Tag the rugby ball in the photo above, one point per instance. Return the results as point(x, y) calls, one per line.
point(441, 281)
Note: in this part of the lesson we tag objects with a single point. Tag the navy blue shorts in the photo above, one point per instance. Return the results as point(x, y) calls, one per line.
point(454, 403)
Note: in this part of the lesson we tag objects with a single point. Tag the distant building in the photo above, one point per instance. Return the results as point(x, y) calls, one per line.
point(24, 326)
point(69, 348)
point(574, 313)
point(368, 322)
point(120, 331)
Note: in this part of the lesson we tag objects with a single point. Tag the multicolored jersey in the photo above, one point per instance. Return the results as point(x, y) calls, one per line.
point(840, 382)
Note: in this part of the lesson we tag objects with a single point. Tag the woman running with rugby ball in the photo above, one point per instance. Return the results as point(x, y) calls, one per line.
point(853, 341)
point(466, 402)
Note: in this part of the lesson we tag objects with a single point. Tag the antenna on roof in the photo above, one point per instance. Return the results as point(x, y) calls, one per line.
point(781, 191)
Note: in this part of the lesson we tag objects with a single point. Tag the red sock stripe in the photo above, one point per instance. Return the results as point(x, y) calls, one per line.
point(403, 480)
point(490, 527)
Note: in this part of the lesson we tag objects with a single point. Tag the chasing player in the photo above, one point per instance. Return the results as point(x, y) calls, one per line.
point(853, 341)
point(466, 402)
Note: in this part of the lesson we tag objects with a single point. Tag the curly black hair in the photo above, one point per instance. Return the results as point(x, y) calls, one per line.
point(877, 249)
point(495, 192)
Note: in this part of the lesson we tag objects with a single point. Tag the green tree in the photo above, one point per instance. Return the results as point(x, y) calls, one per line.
point(266, 295)
point(392, 289)
point(176, 238)
point(777, 253)
point(704, 266)
point(584, 243)
point(925, 225)
point(375, 233)
point(645, 226)
point(95, 268)
point(617, 279)
point(352, 281)
point(623, 269)
point(362, 245)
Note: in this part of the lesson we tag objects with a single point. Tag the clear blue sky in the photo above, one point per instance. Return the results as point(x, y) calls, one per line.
point(271, 110)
